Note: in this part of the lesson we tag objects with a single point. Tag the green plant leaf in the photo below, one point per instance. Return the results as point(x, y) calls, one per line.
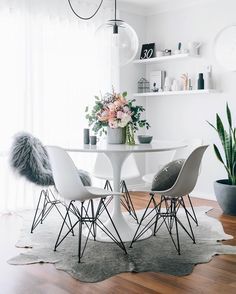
point(217, 152)
point(220, 128)
point(212, 125)
point(229, 115)
point(124, 94)
point(228, 150)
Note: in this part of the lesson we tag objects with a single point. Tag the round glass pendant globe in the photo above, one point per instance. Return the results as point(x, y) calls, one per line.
point(118, 40)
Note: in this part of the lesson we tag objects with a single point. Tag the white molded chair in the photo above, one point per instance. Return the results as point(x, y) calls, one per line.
point(171, 200)
point(103, 170)
point(181, 153)
point(70, 187)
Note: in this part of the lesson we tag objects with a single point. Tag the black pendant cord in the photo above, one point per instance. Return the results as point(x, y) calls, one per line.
point(82, 17)
point(115, 10)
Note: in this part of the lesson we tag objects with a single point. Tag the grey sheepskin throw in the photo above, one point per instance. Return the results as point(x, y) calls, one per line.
point(29, 158)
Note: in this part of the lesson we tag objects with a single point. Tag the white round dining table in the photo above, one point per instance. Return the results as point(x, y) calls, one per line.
point(117, 153)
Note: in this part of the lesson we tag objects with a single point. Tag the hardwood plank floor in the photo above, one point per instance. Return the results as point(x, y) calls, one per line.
point(217, 276)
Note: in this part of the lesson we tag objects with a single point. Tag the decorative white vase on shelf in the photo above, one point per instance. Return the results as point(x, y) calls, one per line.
point(194, 48)
point(116, 135)
point(167, 84)
point(175, 85)
point(208, 78)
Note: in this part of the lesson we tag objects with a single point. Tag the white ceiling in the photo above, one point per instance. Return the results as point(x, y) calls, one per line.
point(143, 3)
point(148, 7)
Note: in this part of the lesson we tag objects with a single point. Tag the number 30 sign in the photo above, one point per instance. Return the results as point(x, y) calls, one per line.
point(147, 51)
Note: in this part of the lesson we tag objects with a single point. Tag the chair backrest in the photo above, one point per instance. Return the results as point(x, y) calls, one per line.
point(188, 175)
point(65, 174)
point(183, 153)
point(103, 167)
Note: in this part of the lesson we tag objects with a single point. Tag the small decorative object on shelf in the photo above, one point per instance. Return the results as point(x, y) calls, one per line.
point(200, 83)
point(86, 136)
point(167, 85)
point(184, 78)
point(190, 86)
point(208, 78)
point(175, 85)
point(157, 79)
point(194, 48)
point(117, 117)
point(154, 87)
point(178, 51)
point(148, 51)
point(143, 85)
point(167, 52)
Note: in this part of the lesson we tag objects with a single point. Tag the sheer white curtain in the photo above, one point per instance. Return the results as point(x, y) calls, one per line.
point(49, 72)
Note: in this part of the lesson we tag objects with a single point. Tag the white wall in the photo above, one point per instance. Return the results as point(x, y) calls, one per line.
point(183, 117)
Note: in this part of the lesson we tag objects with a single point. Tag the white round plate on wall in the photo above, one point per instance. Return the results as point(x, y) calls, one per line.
point(225, 47)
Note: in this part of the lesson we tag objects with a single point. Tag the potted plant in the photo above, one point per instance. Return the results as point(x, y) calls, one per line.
point(225, 189)
point(116, 116)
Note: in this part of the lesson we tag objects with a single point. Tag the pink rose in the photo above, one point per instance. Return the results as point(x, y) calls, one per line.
point(119, 114)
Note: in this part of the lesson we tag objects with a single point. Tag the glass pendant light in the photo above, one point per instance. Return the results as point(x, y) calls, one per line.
point(120, 38)
point(115, 37)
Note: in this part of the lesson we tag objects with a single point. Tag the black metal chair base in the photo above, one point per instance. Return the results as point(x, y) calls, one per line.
point(86, 215)
point(193, 214)
point(125, 200)
point(47, 201)
point(165, 212)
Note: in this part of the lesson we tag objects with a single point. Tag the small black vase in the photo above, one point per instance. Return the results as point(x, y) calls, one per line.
point(200, 82)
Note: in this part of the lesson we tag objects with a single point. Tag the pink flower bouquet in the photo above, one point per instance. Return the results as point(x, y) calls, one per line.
point(115, 111)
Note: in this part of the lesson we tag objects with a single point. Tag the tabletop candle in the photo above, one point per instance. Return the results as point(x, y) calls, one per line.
point(86, 136)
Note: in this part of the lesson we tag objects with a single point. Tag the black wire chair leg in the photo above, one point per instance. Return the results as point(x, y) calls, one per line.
point(177, 234)
point(172, 212)
point(44, 207)
point(108, 185)
point(34, 223)
point(71, 226)
point(194, 217)
point(101, 225)
point(189, 223)
point(140, 223)
point(80, 232)
point(132, 211)
point(94, 222)
point(58, 241)
point(157, 214)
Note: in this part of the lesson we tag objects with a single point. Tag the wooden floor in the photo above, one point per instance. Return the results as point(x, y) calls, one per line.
point(217, 276)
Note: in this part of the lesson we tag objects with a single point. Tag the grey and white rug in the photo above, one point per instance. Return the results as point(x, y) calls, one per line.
point(103, 260)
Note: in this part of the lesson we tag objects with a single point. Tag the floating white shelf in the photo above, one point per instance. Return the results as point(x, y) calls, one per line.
point(164, 58)
point(172, 93)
